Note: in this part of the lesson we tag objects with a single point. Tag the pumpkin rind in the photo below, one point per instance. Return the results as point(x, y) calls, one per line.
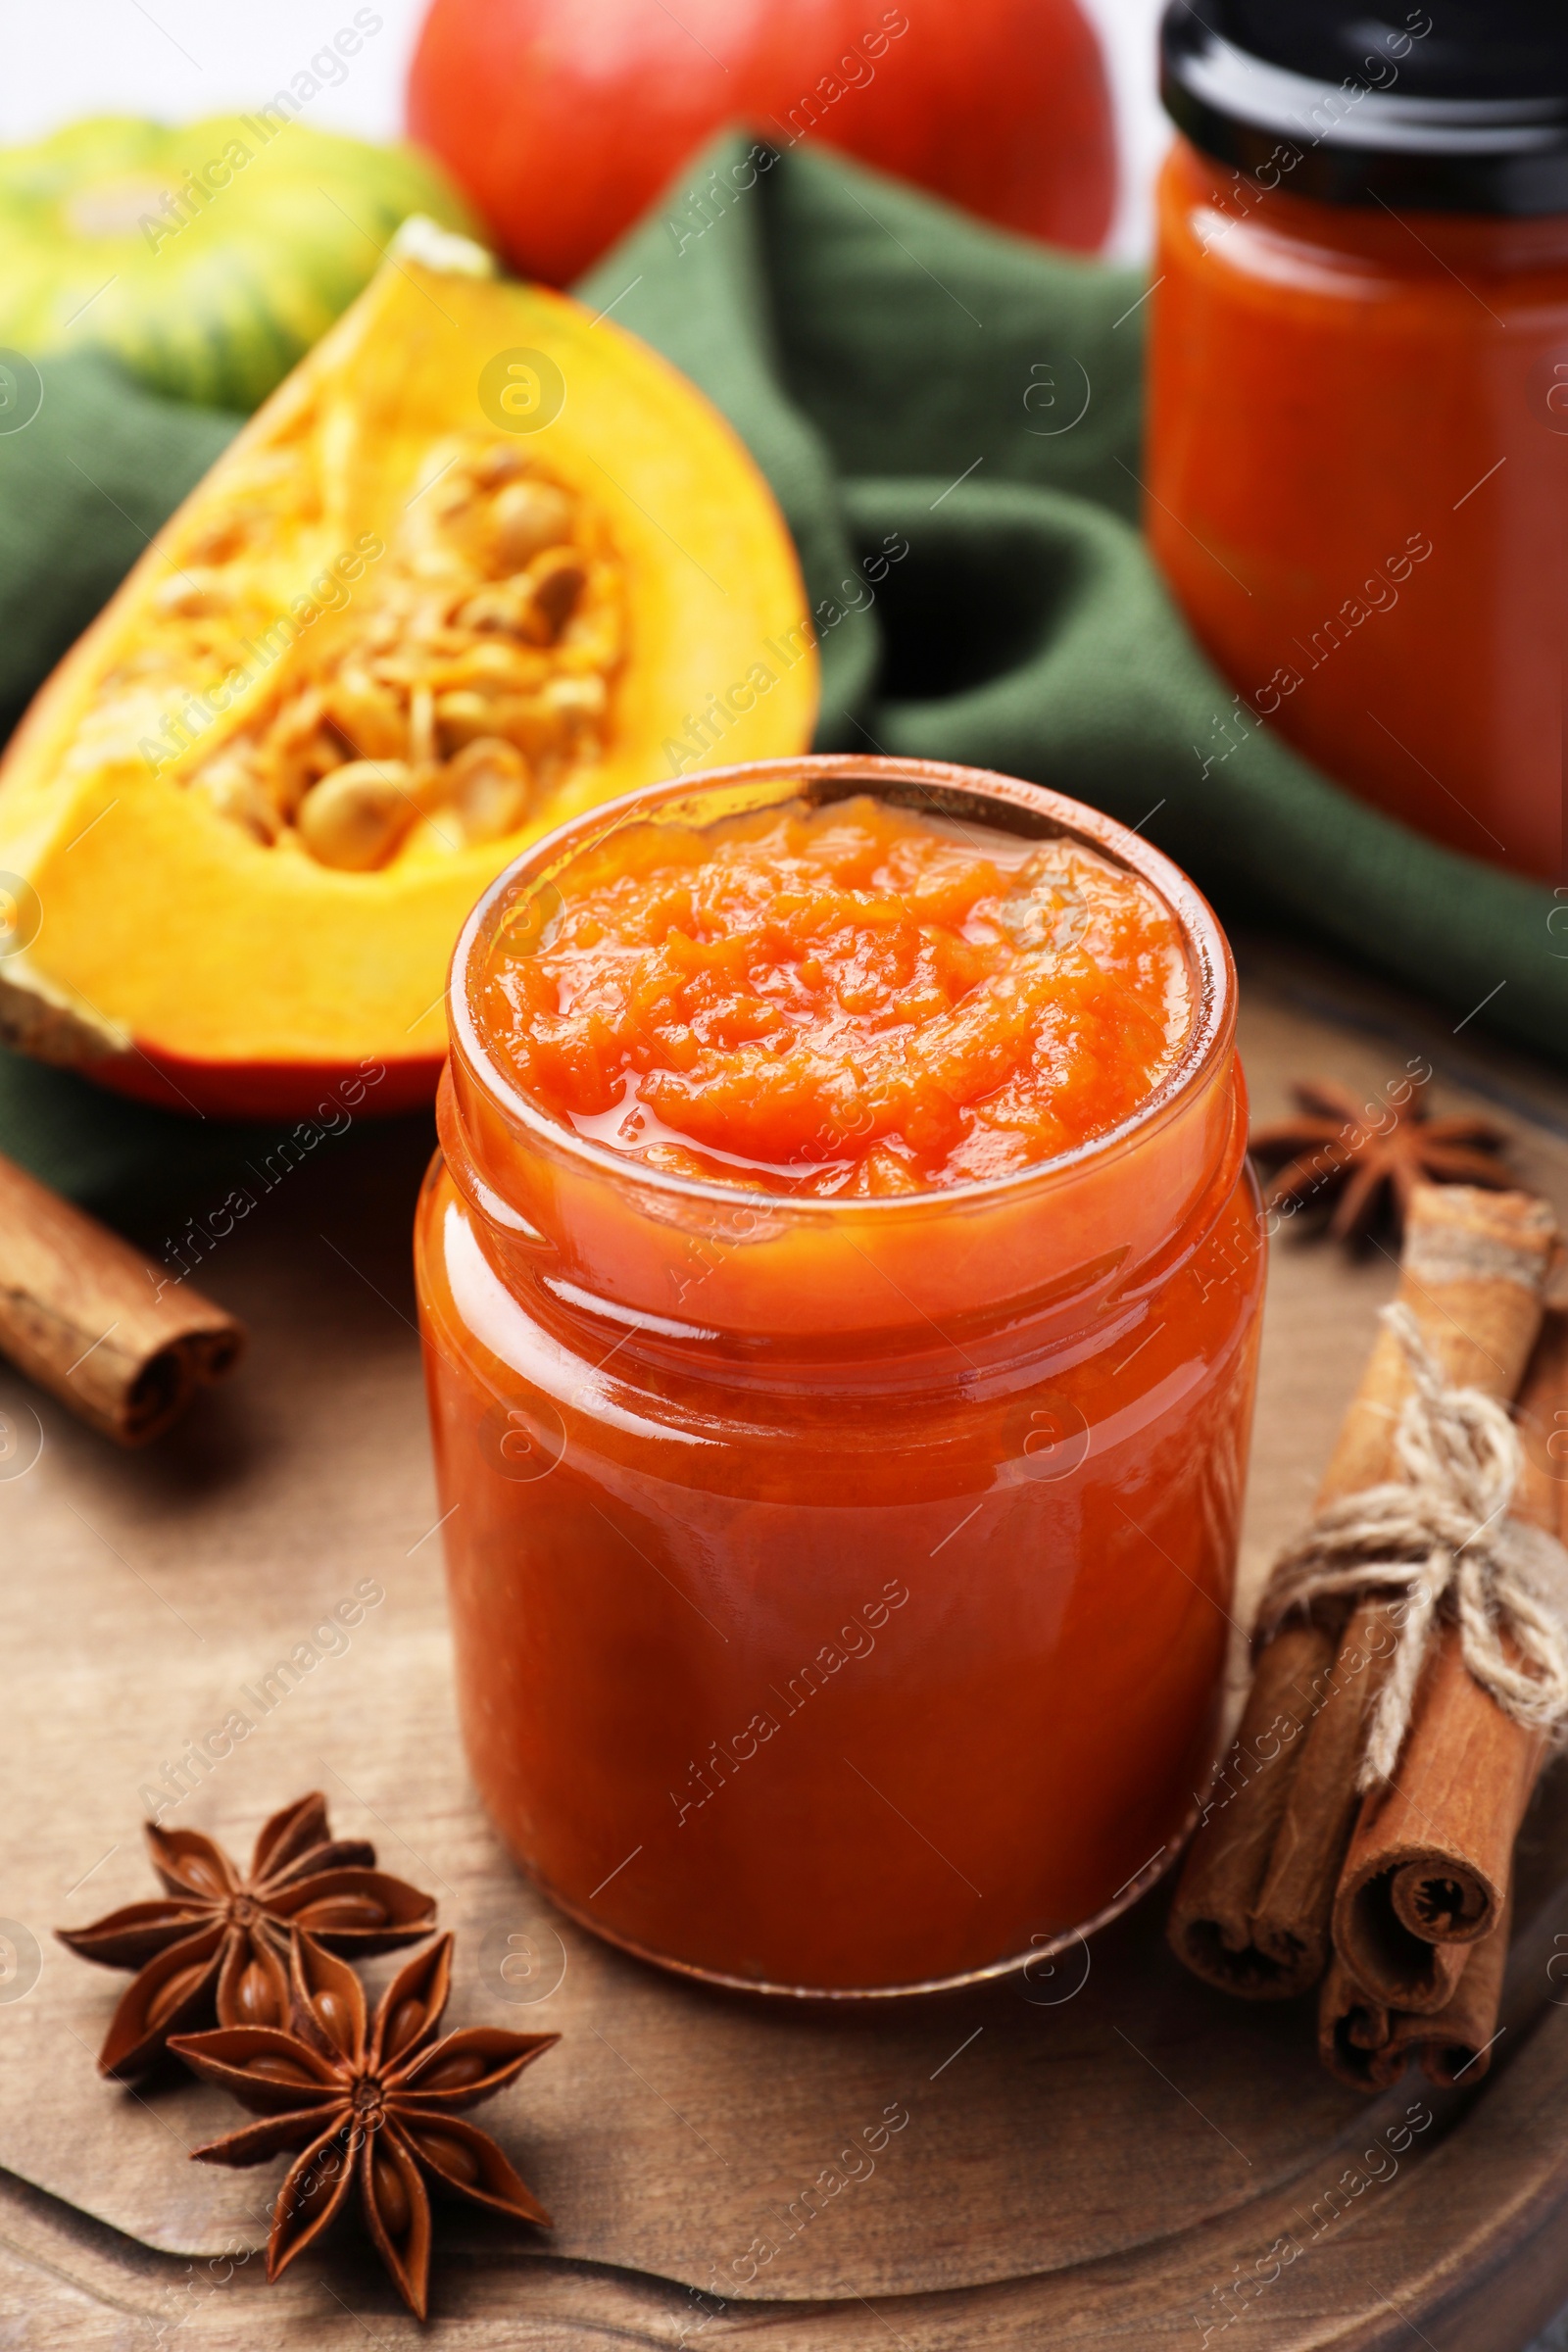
point(177, 957)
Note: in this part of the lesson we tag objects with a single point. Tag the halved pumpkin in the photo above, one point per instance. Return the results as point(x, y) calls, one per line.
point(481, 561)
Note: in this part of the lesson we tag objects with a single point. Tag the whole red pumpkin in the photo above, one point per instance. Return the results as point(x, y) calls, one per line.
point(563, 119)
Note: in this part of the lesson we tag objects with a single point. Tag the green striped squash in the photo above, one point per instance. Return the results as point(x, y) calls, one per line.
point(207, 259)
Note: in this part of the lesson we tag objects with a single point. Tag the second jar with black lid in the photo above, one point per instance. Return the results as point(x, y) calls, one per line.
point(1358, 431)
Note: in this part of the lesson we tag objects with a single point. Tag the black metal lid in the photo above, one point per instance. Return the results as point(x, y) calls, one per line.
point(1456, 106)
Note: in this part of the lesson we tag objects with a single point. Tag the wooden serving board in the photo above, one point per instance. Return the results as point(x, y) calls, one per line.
point(1103, 2151)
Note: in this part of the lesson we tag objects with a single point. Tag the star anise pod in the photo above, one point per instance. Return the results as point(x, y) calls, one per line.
point(1337, 1151)
point(376, 2101)
point(219, 1945)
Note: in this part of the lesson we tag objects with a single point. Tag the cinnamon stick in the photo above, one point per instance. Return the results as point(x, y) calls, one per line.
point(1368, 2046)
point(1429, 1862)
point(97, 1324)
point(1456, 2045)
point(1290, 1919)
point(1541, 1497)
point(1352, 2033)
point(1210, 1922)
point(1472, 1273)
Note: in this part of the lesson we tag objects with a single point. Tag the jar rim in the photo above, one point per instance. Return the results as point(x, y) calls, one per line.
point(942, 788)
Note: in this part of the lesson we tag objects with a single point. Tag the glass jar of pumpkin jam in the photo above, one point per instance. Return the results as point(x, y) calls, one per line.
point(839, 1281)
point(1358, 469)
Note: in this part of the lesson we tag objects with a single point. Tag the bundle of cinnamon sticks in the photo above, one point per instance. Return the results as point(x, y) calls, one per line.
point(1395, 1903)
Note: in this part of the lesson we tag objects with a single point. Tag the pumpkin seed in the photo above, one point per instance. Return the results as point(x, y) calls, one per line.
point(365, 715)
point(559, 580)
point(577, 700)
point(356, 816)
point(490, 789)
point(235, 791)
point(527, 517)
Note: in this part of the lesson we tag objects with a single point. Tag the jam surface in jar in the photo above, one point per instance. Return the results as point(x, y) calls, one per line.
point(850, 1001)
point(839, 1281)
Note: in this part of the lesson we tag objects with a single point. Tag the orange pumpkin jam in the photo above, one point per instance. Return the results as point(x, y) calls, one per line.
point(853, 1001)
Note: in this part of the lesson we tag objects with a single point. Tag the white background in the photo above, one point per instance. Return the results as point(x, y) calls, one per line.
point(179, 59)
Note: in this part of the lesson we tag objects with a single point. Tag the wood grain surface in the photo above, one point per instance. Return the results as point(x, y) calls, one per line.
point(1102, 2151)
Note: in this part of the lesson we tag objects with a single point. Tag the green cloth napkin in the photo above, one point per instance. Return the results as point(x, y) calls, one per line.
point(951, 420)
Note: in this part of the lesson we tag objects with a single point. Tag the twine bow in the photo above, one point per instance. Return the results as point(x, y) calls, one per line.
point(1441, 1539)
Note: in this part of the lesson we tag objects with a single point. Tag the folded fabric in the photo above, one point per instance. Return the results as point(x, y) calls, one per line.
point(951, 420)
